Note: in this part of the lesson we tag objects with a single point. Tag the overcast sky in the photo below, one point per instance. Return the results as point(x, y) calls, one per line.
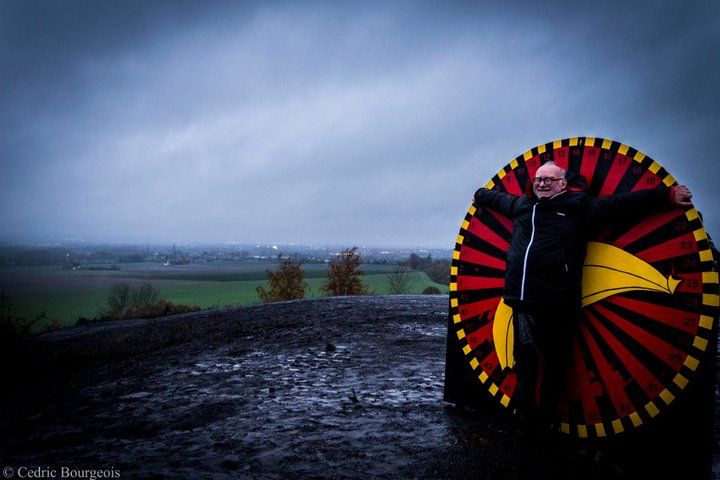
point(344, 123)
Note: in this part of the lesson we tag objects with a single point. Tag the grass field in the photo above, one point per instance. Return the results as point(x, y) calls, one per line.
point(64, 296)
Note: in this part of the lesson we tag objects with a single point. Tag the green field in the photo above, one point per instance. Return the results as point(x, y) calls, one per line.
point(64, 296)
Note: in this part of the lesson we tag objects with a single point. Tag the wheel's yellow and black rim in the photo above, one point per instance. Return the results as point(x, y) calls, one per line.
point(639, 342)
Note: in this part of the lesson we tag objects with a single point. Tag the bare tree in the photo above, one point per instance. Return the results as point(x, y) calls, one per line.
point(144, 300)
point(119, 301)
point(399, 280)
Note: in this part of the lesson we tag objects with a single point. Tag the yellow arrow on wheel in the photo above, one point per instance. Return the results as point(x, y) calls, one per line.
point(607, 271)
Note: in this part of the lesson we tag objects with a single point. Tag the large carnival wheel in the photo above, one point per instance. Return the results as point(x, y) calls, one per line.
point(649, 295)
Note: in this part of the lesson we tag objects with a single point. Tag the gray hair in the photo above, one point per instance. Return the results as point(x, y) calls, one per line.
point(551, 163)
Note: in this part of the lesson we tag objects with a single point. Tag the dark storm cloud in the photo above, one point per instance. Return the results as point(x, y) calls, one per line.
point(329, 122)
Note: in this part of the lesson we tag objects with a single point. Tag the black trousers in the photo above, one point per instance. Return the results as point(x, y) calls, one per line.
point(542, 350)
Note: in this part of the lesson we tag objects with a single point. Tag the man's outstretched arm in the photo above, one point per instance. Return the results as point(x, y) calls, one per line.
point(640, 203)
point(502, 202)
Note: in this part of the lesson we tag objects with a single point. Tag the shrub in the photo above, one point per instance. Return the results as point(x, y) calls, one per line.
point(164, 308)
point(440, 272)
point(13, 331)
point(437, 270)
point(432, 290)
point(13, 328)
point(126, 302)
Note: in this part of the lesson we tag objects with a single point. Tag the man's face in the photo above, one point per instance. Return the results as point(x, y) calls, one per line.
point(549, 181)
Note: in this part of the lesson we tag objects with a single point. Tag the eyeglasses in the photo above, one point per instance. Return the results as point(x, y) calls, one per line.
point(545, 180)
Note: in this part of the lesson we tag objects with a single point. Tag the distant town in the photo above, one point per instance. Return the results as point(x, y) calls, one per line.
point(80, 255)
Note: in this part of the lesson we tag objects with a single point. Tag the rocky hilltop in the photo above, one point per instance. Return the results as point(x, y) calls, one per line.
point(347, 387)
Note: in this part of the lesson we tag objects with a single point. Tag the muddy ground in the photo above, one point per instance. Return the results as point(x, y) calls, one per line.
point(346, 388)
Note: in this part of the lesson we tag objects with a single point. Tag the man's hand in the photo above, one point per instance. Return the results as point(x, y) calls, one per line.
point(474, 198)
point(682, 196)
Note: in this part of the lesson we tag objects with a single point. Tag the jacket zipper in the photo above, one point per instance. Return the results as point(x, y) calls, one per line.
point(527, 254)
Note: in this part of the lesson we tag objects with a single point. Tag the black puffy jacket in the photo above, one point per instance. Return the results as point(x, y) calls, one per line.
point(550, 235)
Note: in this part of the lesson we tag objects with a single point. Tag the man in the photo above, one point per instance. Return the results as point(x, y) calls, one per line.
point(551, 228)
